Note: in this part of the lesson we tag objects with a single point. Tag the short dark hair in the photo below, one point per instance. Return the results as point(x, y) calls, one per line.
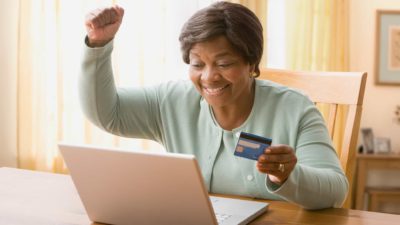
point(237, 23)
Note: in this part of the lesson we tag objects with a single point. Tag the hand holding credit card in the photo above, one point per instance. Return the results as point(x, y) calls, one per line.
point(251, 146)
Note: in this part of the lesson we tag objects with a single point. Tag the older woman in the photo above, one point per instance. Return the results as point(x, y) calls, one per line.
point(223, 45)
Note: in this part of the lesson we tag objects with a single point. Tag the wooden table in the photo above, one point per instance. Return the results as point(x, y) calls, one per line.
point(28, 197)
point(368, 162)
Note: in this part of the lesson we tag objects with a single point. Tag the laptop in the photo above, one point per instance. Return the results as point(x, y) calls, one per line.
point(125, 187)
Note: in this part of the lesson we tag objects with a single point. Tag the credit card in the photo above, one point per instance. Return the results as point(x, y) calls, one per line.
point(251, 146)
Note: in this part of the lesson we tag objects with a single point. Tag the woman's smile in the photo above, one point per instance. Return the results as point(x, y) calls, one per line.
point(215, 91)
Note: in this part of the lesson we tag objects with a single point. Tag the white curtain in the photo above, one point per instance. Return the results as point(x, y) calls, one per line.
point(51, 34)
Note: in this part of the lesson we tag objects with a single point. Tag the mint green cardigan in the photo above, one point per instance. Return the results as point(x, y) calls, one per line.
point(175, 115)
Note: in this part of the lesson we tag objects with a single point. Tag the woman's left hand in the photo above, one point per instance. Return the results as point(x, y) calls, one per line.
point(278, 162)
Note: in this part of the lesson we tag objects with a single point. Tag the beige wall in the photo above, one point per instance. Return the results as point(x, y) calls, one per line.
point(8, 74)
point(379, 101)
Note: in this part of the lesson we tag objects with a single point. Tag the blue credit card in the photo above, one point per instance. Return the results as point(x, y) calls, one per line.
point(251, 146)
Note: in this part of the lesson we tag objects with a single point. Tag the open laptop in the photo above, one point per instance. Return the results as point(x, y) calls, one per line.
point(121, 187)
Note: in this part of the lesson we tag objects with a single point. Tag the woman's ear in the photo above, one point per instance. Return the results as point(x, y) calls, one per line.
point(252, 68)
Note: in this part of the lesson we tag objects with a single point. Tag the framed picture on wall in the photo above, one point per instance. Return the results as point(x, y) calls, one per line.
point(387, 55)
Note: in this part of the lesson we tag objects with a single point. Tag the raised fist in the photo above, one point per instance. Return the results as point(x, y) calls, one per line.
point(102, 25)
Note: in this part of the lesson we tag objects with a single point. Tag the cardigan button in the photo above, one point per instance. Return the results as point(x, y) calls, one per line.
point(250, 177)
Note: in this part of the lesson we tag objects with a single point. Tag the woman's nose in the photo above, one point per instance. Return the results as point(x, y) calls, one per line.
point(210, 74)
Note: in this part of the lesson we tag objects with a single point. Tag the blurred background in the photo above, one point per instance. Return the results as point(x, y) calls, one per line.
point(42, 43)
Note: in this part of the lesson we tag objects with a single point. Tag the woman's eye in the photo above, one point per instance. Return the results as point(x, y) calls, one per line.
point(224, 65)
point(196, 65)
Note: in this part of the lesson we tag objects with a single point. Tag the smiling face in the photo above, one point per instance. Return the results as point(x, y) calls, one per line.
point(220, 74)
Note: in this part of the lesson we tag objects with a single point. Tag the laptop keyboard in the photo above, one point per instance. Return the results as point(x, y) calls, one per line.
point(221, 217)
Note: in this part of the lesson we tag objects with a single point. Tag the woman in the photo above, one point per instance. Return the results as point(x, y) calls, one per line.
point(223, 45)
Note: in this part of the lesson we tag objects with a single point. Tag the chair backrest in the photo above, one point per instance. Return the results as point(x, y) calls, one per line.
point(339, 96)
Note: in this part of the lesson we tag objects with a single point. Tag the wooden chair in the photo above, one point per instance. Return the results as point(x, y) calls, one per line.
point(339, 96)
